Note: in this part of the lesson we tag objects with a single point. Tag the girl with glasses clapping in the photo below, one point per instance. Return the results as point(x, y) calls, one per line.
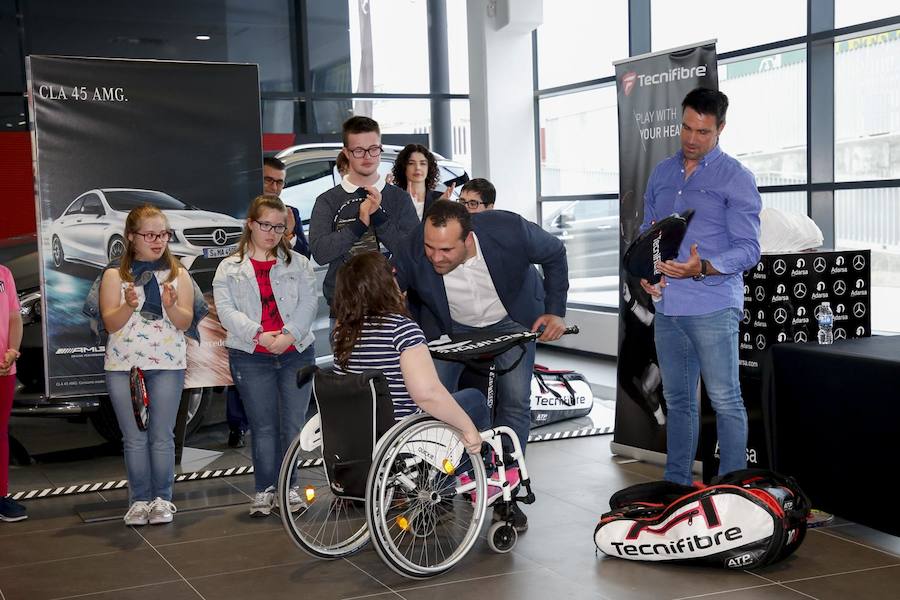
point(146, 305)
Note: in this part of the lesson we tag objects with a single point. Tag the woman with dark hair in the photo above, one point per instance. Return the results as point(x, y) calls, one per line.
point(146, 305)
point(266, 299)
point(416, 171)
point(374, 332)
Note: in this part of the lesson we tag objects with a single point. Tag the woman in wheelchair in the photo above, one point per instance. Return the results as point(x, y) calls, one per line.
point(405, 483)
point(375, 332)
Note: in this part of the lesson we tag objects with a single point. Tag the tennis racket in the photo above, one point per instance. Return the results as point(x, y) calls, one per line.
point(140, 399)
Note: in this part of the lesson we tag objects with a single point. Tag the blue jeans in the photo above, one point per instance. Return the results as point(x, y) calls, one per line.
point(150, 454)
point(275, 406)
point(688, 347)
point(474, 404)
point(512, 406)
point(234, 410)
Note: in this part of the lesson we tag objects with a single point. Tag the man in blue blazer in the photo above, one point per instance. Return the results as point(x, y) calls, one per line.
point(476, 272)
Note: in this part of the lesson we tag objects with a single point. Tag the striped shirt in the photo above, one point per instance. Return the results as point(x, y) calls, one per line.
point(382, 340)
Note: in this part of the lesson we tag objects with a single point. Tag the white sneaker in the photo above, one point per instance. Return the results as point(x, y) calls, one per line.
point(138, 513)
point(295, 501)
point(262, 503)
point(161, 511)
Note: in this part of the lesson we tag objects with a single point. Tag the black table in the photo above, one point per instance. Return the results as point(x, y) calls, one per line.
point(832, 415)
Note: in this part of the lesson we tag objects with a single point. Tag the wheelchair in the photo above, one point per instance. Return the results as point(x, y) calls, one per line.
point(408, 486)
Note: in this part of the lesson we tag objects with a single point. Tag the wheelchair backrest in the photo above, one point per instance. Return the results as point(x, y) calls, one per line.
point(355, 411)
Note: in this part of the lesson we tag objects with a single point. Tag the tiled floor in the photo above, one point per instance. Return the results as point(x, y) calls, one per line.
point(213, 550)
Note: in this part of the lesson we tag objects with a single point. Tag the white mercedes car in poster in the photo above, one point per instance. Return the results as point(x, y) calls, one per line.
point(89, 230)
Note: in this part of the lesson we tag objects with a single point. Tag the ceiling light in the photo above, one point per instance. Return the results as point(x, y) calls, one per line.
point(203, 38)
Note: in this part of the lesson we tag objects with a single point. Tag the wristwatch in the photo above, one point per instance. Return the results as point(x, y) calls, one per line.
point(256, 337)
point(702, 274)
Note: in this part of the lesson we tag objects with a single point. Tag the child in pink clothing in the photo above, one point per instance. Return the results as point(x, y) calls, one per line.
point(10, 339)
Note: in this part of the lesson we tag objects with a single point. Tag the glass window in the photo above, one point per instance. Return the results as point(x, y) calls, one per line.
point(458, 50)
point(75, 207)
point(579, 40)
point(590, 231)
point(579, 143)
point(789, 202)
point(867, 107)
point(399, 116)
point(871, 219)
point(92, 205)
point(766, 122)
point(735, 24)
point(389, 46)
point(461, 127)
point(853, 12)
point(278, 116)
point(304, 182)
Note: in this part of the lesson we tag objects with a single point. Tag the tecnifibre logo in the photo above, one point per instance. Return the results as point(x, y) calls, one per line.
point(628, 80)
point(674, 74)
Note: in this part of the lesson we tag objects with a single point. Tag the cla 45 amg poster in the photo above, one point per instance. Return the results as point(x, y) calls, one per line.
point(110, 135)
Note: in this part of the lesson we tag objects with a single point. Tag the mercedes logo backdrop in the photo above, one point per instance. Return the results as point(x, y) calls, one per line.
point(783, 291)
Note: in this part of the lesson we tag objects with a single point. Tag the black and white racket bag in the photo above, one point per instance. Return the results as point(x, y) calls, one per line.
point(557, 395)
point(743, 520)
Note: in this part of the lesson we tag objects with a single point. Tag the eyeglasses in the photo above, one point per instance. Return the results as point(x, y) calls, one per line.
point(152, 236)
point(373, 151)
point(264, 226)
point(472, 203)
point(272, 181)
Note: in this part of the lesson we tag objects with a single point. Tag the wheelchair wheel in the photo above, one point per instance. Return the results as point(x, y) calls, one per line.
point(425, 497)
point(325, 525)
point(502, 537)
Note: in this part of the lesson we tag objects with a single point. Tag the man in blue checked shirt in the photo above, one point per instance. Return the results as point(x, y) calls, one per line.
point(700, 299)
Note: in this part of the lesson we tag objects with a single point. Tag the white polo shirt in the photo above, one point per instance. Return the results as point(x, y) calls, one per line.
point(471, 293)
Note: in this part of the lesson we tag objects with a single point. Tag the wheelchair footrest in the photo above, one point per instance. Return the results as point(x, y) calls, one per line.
point(528, 498)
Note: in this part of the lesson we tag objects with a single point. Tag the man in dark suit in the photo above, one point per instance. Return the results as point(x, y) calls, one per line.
point(476, 272)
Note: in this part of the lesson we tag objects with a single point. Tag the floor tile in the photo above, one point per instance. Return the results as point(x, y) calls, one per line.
point(481, 561)
point(874, 584)
point(822, 554)
point(764, 592)
point(48, 513)
point(570, 552)
point(221, 556)
point(86, 575)
point(321, 580)
point(71, 542)
point(533, 583)
point(175, 590)
point(866, 536)
point(210, 523)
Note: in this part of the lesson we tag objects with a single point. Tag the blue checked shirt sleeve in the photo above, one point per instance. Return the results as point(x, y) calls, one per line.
point(742, 224)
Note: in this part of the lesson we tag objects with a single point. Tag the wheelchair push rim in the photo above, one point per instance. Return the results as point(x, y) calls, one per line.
point(422, 517)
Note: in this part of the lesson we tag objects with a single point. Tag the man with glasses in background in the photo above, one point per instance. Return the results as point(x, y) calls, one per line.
point(362, 213)
point(478, 195)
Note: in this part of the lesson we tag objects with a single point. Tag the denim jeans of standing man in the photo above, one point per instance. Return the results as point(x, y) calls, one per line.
point(275, 406)
point(150, 454)
point(689, 347)
point(513, 389)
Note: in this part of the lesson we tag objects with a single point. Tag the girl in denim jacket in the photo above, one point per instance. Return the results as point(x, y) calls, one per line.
point(266, 300)
point(146, 304)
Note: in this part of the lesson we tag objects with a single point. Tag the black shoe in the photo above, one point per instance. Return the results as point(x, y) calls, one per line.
point(11, 511)
point(236, 439)
point(512, 513)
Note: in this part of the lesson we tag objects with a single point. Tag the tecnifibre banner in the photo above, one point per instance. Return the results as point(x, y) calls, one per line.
point(650, 89)
point(110, 135)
